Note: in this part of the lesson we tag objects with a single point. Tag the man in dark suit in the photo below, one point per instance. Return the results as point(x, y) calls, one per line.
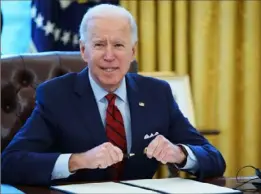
point(85, 123)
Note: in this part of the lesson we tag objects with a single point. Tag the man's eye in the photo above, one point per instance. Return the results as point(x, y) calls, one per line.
point(98, 45)
point(119, 45)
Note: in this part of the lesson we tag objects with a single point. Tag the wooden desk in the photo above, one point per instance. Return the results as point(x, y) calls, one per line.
point(227, 182)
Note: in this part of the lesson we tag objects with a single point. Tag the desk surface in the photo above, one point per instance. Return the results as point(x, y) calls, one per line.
point(227, 182)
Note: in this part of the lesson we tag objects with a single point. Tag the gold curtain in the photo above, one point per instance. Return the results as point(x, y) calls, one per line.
point(218, 44)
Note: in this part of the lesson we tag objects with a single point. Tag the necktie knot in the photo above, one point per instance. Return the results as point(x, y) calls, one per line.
point(111, 98)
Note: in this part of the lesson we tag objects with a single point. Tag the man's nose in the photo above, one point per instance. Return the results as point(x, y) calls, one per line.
point(109, 54)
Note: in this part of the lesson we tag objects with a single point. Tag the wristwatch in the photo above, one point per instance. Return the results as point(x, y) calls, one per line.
point(183, 163)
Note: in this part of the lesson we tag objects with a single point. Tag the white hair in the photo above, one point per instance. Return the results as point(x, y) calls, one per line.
point(104, 10)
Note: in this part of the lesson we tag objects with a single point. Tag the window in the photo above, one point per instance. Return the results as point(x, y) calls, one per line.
point(16, 32)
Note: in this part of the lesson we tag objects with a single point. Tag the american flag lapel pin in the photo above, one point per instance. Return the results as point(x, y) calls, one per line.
point(141, 104)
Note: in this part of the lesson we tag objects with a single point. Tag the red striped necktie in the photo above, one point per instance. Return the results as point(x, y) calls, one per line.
point(115, 131)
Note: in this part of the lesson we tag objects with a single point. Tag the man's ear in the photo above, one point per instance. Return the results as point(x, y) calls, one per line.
point(134, 49)
point(82, 50)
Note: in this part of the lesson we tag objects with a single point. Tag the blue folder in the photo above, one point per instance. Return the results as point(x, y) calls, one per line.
point(8, 189)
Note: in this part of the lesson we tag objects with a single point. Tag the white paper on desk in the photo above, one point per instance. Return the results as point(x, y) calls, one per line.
point(107, 187)
point(179, 185)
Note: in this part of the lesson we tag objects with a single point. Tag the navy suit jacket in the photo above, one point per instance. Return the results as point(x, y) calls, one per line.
point(66, 119)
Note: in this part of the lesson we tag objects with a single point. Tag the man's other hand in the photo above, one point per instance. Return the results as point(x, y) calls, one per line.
point(102, 156)
point(164, 151)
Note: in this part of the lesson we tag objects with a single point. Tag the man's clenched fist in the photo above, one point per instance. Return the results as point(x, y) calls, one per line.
point(164, 151)
point(101, 156)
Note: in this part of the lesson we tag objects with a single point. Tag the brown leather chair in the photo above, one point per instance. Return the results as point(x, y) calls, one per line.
point(21, 74)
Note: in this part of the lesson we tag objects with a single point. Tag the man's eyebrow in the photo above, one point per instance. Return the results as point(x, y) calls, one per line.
point(119, 41)
point(99, 40)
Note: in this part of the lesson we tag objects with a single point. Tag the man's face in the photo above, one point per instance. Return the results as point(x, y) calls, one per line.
point(108, 50)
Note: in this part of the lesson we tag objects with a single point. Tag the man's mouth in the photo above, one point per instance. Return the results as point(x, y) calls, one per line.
point(110, 69)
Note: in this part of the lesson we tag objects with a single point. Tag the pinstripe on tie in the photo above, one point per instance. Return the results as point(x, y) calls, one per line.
point(115, 131)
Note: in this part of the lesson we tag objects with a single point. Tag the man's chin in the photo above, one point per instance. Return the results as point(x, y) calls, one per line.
point(111, 85)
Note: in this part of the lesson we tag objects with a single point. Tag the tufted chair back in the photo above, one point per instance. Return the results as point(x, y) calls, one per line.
point(21, 74)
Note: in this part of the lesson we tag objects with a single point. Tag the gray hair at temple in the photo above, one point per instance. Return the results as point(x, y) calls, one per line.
point(104, 10)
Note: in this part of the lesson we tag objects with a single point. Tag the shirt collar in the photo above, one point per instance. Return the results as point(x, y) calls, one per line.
point(100, 92)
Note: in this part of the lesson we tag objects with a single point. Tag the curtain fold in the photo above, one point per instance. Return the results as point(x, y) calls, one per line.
point(226, 81)
point(251, 83)
point(218, 44)
point(164, 35)
point(180, 39)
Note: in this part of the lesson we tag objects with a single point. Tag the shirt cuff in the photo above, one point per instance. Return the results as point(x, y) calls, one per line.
point(61, 167)
point(192, 162)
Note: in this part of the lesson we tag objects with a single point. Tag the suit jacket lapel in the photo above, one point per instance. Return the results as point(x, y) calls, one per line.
point(136, 114)
point(88, 108)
